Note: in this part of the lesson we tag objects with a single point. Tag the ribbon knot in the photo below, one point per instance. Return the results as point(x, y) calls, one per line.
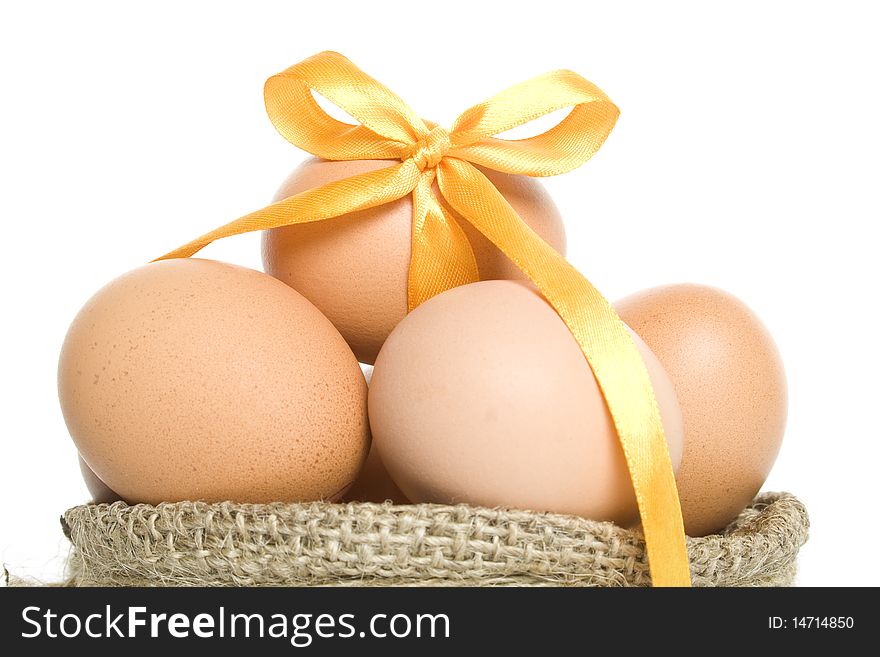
point(428, 152)
point(442, 256)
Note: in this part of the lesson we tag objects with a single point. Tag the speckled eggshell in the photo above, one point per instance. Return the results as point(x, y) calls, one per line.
point(100, 492)
point(197, 380)
point(354, 267)
point(481, 395)
point(731, 385)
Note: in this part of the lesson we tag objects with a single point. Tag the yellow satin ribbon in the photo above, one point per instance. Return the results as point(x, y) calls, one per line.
point(441, 254)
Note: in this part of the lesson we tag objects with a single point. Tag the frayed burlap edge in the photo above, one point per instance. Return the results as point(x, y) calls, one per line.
point(362, 544)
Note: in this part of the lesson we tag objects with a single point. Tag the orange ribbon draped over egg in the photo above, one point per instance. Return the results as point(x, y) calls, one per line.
point(441, 254)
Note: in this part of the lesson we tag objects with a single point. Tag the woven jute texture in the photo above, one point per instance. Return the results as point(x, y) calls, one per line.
point(226, 544)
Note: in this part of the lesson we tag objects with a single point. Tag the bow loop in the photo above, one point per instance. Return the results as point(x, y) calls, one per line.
point(388, 127)
point(563, 147)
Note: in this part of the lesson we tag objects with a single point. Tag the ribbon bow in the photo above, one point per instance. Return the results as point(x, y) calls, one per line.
point(442, 257)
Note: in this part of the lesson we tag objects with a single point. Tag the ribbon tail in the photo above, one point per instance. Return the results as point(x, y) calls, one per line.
point(609, 350)
point(325, 202)
point(442, 257)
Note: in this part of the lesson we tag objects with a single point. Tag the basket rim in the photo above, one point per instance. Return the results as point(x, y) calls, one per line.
point(324, 542)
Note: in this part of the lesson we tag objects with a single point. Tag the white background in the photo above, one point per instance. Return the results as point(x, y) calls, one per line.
point(746, 157)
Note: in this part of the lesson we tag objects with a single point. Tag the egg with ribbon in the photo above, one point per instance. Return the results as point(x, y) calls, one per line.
point(731, 385)
point(354, 268)
point(482, 395)
point(366, 285)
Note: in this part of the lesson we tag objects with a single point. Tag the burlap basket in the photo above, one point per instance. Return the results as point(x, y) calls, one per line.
point(362, 544)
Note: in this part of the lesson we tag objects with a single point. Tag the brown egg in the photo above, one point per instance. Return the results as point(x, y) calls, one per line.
point(100, 492)
point(731, 386)
point(481, 395)
point(354, 268)
point(195, 379)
